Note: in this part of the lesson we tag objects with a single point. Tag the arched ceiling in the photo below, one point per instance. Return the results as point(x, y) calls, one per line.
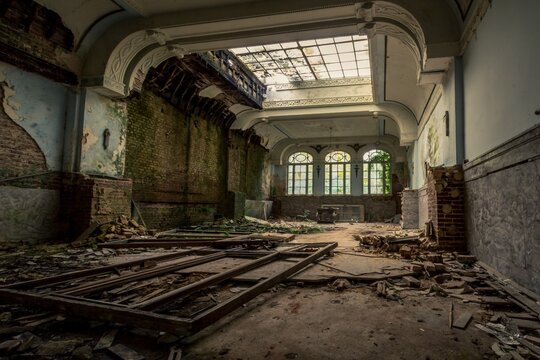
point(118, 40)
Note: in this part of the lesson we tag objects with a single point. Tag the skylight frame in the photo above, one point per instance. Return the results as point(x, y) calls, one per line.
point(308, 60)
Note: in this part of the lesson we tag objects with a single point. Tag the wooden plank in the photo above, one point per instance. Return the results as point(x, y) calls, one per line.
point(463, 320)
point(94, 271)
point(210, 316)
point(204, 283)
point(141, 275)
point(82, 308)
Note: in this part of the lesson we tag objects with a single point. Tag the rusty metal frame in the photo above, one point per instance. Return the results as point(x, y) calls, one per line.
point(69, 300)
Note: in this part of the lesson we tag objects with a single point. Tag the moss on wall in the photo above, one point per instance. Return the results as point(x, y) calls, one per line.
point(183, 166)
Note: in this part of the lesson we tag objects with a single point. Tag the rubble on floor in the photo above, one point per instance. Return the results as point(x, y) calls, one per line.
point(254, 225)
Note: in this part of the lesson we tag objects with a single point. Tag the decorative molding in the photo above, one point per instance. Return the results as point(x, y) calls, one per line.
point(387, 10)
point(323, 83)
point(474, 18)
point(356, 147)
point(402, 35)
point(317, 102)
point(319, 148)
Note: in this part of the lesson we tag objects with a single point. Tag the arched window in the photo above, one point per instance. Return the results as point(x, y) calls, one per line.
point(337, 173)
point(300, 174)
point(376, 172)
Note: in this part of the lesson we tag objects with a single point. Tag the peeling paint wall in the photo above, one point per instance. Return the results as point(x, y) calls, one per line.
point(102, 114)
point(37, 105)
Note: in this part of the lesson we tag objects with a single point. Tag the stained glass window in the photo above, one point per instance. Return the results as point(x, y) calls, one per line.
point(376, 172)
point(337, 173)
point(300, 174)
point(330, 58)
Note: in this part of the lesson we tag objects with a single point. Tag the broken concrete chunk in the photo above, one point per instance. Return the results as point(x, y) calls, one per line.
point(466, 259)
point(9, 345)
point(106, 339)
point(429, 266)
point(441, 278)
point(341, 284)
point(57, 348)
point(405, 252)
point(463, 320)
point(435, 258)
point(411, 281)
point(83, 353)
point(125, 353)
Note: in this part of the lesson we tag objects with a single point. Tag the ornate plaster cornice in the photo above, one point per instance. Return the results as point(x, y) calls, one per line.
point(323, 83)
point(366, 99)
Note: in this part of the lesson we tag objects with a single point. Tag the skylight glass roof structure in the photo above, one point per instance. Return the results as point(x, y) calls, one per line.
point(330, 58)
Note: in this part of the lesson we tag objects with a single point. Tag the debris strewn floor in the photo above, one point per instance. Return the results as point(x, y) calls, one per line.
point(386, 297)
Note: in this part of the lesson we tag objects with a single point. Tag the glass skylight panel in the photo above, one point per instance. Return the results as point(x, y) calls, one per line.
point(329, 58)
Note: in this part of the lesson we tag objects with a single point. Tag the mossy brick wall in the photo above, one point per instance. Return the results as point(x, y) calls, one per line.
point(249, 168)
point(178, 163)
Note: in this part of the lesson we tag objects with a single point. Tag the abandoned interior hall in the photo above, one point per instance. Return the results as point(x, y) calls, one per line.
point(248, 179)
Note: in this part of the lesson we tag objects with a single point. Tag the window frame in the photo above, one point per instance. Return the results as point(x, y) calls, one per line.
point(329, 167)
point(368, 170)
point(294, 169)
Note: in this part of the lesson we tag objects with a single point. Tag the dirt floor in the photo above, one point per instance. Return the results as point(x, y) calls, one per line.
point(296, 320)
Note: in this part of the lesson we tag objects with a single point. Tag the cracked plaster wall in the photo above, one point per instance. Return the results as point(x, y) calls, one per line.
point(101, 113)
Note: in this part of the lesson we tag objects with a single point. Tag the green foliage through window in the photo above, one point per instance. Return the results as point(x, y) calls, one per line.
point(337, 173)
point(376, 172)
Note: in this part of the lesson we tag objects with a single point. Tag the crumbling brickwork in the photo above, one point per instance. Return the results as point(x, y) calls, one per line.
point(446, 206)
point(409, 209)
point(35, 39)
point(87, 199)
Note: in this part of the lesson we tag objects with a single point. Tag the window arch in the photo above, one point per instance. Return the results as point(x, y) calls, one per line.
point(376, 179)
point(337, 173)
point(300, 174)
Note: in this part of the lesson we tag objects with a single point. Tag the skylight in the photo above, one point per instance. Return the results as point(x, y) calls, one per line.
point(330, 58)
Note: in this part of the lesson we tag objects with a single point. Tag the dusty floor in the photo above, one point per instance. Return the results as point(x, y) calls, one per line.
point(296, 320)
point(315, 323)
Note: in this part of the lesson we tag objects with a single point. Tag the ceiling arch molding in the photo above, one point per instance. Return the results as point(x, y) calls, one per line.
point(405, 120)
point(130, 48)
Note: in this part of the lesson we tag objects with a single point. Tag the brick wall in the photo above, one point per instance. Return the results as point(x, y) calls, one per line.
point(183, 167)
point(409, 209)
point(446, 207)
point(19, 153)
point(377, 208)
point(87, 199)
point(35, 39)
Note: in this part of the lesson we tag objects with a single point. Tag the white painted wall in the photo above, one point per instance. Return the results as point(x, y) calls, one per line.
point(502, 76)
point(432, 145)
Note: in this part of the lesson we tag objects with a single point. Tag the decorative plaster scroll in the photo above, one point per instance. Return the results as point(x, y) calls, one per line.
point(387, 10)
point(473, 20)
point(399, 33)
point(124, 53)
point(317, 102)
point(323, 83)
